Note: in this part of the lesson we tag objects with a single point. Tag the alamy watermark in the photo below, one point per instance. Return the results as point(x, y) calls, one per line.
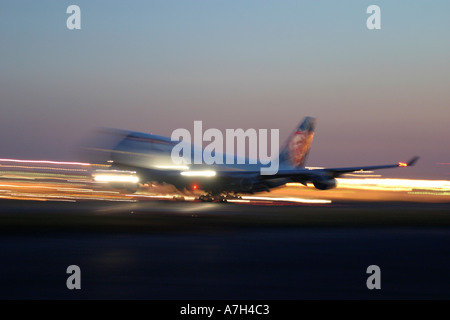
point(74, 280)
point(373, 22)
point(215, 153)
point(374, 280)
point(74, 20)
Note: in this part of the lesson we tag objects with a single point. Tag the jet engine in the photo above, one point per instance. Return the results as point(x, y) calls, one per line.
point(325, 183)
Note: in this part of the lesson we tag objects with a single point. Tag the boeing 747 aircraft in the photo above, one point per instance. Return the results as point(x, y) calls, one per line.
point(141, 157)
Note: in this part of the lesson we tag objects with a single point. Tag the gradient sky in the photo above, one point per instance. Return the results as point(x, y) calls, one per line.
point(380, 96)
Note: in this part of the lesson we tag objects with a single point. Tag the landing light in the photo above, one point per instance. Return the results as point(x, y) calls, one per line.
point(116, 178)
point(173, 167)
point(198, 173)
point(402, 164)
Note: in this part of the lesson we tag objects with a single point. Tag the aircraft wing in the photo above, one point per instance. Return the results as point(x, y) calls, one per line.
point(306, 174)
point(336, 172)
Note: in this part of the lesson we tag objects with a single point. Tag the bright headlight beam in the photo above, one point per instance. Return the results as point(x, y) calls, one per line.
point(115, 178)
point(198, 173)
point(173, 167)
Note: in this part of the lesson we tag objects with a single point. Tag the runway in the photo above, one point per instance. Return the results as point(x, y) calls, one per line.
point(150, 215)
point(193, 250)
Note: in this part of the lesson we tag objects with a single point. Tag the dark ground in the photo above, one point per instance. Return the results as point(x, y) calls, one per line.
point(178, 250)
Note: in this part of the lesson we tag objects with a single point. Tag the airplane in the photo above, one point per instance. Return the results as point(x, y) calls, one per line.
point(141, 157)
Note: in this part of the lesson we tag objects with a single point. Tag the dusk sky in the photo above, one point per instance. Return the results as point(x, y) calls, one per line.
point(379, 96)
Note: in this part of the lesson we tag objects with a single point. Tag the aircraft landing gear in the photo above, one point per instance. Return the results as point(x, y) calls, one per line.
point(222, 197)
point(206, 198)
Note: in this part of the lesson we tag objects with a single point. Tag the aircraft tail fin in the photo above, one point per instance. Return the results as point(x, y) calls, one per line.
point(297, 146)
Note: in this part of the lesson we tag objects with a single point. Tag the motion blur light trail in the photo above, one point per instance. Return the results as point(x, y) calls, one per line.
point(47, 180)
point(442, 186)
point(46, 162)
point(301, 200)
point(379, 189)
